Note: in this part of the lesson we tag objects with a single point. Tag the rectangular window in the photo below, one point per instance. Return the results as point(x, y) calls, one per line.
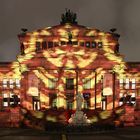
point(54, 103)
point(133, 98)
point(86, 100)
point(69, 105)
point(5, 95)
point(88, 44)
point(36, 104)
point(44, 45)
point(133, 81)
point(5, 104)
point(104, 105)
point(82, 44)
point(93, 44)
point(87, 83)
point(5, 99)
point(75, 43)
point(56, 44)
point(69, 100)
point(121, 83)
point(127, 83)
point(53, 100)
point(18, 99)
point(11, 98)
point(5, 83)
point(37, 46)
point(121, 100)
point(70, 83)
point(50, 44)
point(17, 83)
point(100, 44)
point(11, 83)
point(63, 43)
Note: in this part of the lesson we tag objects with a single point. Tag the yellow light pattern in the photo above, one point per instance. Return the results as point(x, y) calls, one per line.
point(69, 57)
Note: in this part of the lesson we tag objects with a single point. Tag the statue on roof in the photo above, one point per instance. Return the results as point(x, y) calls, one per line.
point(70, 37)
point(68, 17)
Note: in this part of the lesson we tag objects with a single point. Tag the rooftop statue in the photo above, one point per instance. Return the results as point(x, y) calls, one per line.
point(68, 17)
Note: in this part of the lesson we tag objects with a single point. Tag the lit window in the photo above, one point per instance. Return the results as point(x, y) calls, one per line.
point(121, 101)
point(121, 95)
point(11, 83)
point(88, 44)
point(100, 44)
point(127, 83)
point(5, 99)
point(5, 104)
point(11, 98)
point(104, 105)
point(17, 83)
point(5, 83)
point(93, 44)
point(36, 104)
point(121, 83)
point(14, 99)
point(133, 98)
point(133, 83)
point(87, 83)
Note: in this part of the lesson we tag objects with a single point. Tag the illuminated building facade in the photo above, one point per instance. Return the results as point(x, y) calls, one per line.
point(57, 62)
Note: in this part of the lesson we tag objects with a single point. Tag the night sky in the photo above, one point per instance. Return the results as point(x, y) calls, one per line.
point(101, 14)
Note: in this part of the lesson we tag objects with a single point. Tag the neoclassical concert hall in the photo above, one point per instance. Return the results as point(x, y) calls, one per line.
point(58, 62)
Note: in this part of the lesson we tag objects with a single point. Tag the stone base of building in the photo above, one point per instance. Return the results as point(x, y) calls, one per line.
point(19, 117)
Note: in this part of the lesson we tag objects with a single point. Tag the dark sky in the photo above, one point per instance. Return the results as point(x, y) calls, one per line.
point(102, 14)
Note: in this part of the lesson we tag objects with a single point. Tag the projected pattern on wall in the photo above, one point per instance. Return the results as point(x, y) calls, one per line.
point(60, 61)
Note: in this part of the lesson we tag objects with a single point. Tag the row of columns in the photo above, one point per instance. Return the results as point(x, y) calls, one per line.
point(95, 89)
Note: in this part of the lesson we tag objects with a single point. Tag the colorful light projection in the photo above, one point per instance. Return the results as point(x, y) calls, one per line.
point(69, 57)
point(33, 84)
point(108, 84)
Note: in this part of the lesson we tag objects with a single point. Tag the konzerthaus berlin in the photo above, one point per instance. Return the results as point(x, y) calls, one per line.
point(58, 62)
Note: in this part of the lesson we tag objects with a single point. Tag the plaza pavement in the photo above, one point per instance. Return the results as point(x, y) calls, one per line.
point(30, 134)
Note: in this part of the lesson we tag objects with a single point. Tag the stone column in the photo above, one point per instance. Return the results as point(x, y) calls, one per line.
point(95, 88)
point(1, 99)
point(114, 89)
point(61, 102)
